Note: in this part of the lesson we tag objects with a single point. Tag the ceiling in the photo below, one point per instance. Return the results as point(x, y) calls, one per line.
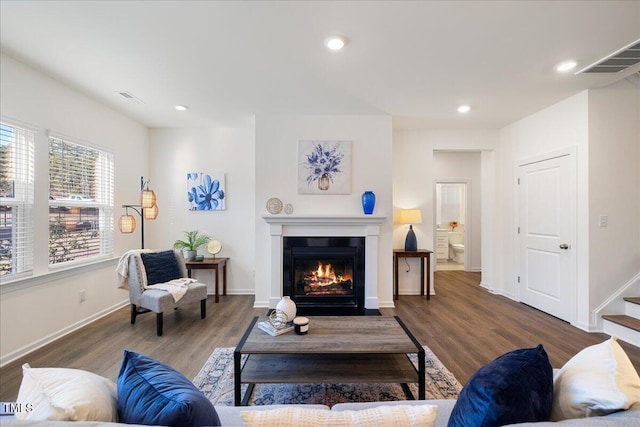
point(416, 61)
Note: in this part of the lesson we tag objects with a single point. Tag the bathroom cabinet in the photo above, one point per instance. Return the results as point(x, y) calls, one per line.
point(442, 245)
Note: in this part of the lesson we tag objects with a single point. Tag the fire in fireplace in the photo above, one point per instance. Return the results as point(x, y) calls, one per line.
point(324, 280)
point(325, 275)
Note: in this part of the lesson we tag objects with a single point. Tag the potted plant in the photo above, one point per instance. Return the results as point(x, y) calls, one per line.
point(193, 241)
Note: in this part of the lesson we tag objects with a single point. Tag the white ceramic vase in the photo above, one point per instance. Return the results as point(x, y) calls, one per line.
point(288, 307)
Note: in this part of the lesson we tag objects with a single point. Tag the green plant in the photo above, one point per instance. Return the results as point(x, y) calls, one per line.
point(193, 242)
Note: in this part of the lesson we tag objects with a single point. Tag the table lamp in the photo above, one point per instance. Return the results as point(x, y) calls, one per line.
point(410, 216)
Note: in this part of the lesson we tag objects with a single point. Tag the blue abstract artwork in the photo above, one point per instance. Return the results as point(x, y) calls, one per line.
point(206, 191)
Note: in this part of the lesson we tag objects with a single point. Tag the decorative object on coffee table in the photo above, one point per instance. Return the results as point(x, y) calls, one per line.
point(288, 307)
point(368, 202)
point(274, 205)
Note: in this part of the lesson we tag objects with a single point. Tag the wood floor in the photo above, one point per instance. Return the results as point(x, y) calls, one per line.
point(464, 325)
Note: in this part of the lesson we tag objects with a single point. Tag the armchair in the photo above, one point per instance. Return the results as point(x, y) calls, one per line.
point(147, 269)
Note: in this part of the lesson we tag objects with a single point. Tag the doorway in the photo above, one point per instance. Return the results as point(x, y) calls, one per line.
point(452, 213)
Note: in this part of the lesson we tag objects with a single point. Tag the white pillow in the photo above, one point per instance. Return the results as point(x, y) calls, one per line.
point(598, 380)
point(66, 395)
point(380, 416)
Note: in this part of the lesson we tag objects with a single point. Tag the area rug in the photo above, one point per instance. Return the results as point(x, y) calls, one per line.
point(215, 379)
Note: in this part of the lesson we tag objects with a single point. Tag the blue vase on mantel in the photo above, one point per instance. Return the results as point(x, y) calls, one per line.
point(368, 202)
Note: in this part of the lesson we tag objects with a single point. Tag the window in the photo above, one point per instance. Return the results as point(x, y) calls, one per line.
point(80, 201)
point(16, 199)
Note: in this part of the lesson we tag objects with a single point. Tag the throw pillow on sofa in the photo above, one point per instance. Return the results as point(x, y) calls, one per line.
point(63, 394)
point(152, 393)
point(380, 416)
point(600, 379)
point(517, 387)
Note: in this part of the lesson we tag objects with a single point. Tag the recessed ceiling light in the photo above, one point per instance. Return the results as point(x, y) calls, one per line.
point(566, 66)
point(182, 107)
point(464, 109)
point(335, 42)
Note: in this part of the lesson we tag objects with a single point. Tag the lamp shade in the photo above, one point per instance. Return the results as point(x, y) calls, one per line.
point(152, 212)
point(147, 198)
point(127, 223)
point(410, 216)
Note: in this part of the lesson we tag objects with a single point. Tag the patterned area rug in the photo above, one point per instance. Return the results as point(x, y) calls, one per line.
point(215, 379)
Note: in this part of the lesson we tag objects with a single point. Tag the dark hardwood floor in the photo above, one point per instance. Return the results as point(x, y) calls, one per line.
point(464, 325)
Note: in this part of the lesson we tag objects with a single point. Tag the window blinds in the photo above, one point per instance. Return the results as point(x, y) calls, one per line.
point(80, 201)
point(16, 199)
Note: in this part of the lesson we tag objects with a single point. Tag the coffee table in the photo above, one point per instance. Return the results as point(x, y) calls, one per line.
point(337, 349)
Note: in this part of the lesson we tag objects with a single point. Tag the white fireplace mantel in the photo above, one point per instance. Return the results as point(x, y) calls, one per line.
point(322, 226)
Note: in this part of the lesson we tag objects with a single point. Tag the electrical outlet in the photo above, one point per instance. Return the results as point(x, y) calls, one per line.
point(82, 295)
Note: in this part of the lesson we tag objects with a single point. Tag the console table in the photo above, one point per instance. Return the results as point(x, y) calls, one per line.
point(423, 254)
point(211, 264)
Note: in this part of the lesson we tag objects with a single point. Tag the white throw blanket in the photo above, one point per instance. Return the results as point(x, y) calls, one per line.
point(122, 270)
point(176, 287)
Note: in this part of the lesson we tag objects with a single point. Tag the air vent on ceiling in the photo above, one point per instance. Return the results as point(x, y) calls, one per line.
point(131, 97)
point(617, 61)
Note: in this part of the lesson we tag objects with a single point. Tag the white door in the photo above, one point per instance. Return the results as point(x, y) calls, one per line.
point(546, 207)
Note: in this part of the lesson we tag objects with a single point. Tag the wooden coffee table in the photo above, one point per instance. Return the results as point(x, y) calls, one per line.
point(337, 349)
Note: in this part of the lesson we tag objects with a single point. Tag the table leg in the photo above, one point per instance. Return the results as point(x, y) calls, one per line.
point(189, 273)
point(421, 275)
point(395, 276)
point(224, 279)
point(217, 298)
point(421, 372)
point(428, 276)
point(237, 371)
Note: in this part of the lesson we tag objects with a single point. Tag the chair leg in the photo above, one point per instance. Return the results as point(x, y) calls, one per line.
point(203, 308)
point(159, 324)
point(134, 313)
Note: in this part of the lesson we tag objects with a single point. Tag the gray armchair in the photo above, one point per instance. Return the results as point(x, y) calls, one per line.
point(144, 298)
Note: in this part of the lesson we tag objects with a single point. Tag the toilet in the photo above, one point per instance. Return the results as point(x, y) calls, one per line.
point(456, 246)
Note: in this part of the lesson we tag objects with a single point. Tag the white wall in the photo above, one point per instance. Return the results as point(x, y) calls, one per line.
point(47, 305)
point(413, 180)
point(276, 151)
point(562, 125)
point(465, 166)
point(602, 124)
point(614, 178)
point(175, 152)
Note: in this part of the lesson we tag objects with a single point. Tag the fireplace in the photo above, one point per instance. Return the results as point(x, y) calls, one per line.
point(325, 275)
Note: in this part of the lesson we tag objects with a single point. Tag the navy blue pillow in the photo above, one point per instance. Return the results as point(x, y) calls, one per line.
point(152, 393)
point(160, 266)
point(517, 387)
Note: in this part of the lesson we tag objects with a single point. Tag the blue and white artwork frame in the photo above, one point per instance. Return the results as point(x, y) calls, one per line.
point(206, 191)
point(324, 167)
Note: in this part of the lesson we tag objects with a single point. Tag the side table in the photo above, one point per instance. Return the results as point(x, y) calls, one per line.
point(423, 254)
point(211, 264)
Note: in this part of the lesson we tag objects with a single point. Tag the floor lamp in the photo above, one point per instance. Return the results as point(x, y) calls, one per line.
point(147, 209)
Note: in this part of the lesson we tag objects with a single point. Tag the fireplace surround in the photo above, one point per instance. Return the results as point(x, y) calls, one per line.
point(280, 226)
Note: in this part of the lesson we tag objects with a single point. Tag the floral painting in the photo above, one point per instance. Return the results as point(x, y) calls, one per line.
point(324, 167)
point(206, 191)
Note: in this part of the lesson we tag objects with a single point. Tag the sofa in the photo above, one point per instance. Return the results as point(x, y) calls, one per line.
point(231, 415)
point(599, 386)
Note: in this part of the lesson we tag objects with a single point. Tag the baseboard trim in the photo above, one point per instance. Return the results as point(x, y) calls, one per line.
point(25, 350)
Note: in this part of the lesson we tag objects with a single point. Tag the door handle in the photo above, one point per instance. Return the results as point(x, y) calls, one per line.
point(564, 246)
